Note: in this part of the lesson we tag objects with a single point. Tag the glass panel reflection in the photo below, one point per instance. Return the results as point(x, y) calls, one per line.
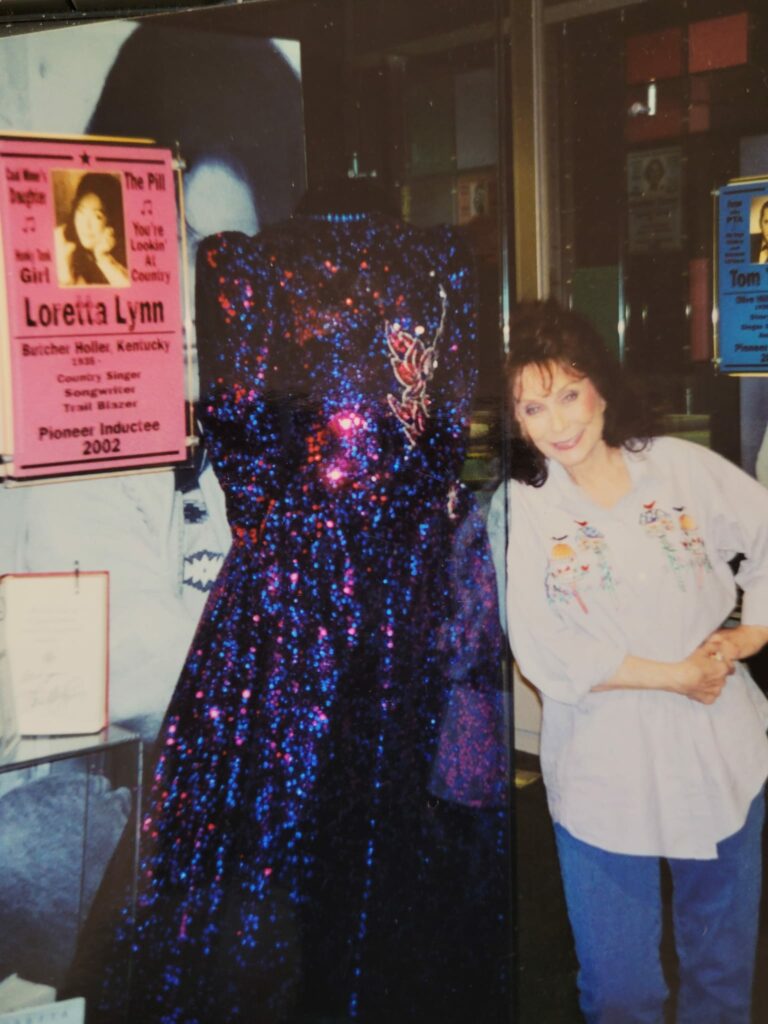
point(326, 813)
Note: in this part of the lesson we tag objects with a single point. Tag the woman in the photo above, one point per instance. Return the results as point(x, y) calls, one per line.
point(89, 247)
point(653, 739)
point(759, 241)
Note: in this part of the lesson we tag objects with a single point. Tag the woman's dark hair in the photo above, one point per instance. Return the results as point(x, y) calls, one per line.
point(543, 334)
point(106, 187)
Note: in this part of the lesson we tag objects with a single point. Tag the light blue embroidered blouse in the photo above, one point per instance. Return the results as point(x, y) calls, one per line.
point(641, 772)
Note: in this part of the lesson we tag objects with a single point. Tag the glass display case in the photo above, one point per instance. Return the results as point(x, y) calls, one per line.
point(327, 824)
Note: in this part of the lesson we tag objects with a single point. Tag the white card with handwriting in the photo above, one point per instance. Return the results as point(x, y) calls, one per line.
point(54, 631)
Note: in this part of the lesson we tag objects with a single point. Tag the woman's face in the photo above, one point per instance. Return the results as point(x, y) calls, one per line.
point(560, 413)
point(764, 224)
point(90, 220)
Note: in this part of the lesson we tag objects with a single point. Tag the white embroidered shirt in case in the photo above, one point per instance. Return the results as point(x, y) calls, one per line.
point(641, 771)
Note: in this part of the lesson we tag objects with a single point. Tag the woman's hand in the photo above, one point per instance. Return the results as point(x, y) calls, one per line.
point(702, 675)
point(105, 242)
point(115, 273)
point(739, 642)
point(63, 251)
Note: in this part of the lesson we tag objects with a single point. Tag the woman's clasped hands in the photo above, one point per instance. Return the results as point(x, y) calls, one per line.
point(704, 673)
point(709, 666)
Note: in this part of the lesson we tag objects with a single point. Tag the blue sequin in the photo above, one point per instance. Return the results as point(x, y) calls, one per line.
point(295, 858)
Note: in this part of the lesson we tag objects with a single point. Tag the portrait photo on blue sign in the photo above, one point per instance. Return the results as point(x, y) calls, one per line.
point(758, 229)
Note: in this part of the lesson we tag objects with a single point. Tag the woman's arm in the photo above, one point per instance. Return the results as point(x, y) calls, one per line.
point(701, 676)
point(740, 642)
point(115, 273)
point(63, 253)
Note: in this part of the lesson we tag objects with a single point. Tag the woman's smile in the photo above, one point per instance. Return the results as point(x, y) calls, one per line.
point(565, 446)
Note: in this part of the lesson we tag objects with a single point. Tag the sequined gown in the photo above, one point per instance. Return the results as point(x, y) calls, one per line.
point(309, 851)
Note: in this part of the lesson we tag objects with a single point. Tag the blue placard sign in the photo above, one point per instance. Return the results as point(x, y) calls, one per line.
point(742, 277)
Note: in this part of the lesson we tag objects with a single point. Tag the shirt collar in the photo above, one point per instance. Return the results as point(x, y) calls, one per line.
point(566, 492)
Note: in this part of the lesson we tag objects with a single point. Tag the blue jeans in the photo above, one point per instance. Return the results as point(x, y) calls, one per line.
point(614, 905)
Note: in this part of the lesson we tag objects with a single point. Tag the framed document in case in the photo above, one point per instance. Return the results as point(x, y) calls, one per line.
point(54, 630)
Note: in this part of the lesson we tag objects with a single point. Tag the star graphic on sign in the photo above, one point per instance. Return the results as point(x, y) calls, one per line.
point(85, 158)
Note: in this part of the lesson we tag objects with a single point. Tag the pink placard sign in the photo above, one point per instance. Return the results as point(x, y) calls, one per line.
point(92, 323)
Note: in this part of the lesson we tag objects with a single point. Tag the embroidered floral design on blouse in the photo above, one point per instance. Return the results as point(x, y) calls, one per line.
point(693, 544)
point(593, 546)
point(565, 575)
point(414, 361)
point(680, 540)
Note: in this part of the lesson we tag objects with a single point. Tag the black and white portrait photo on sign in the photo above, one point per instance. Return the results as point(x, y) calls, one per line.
point(89, 238)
